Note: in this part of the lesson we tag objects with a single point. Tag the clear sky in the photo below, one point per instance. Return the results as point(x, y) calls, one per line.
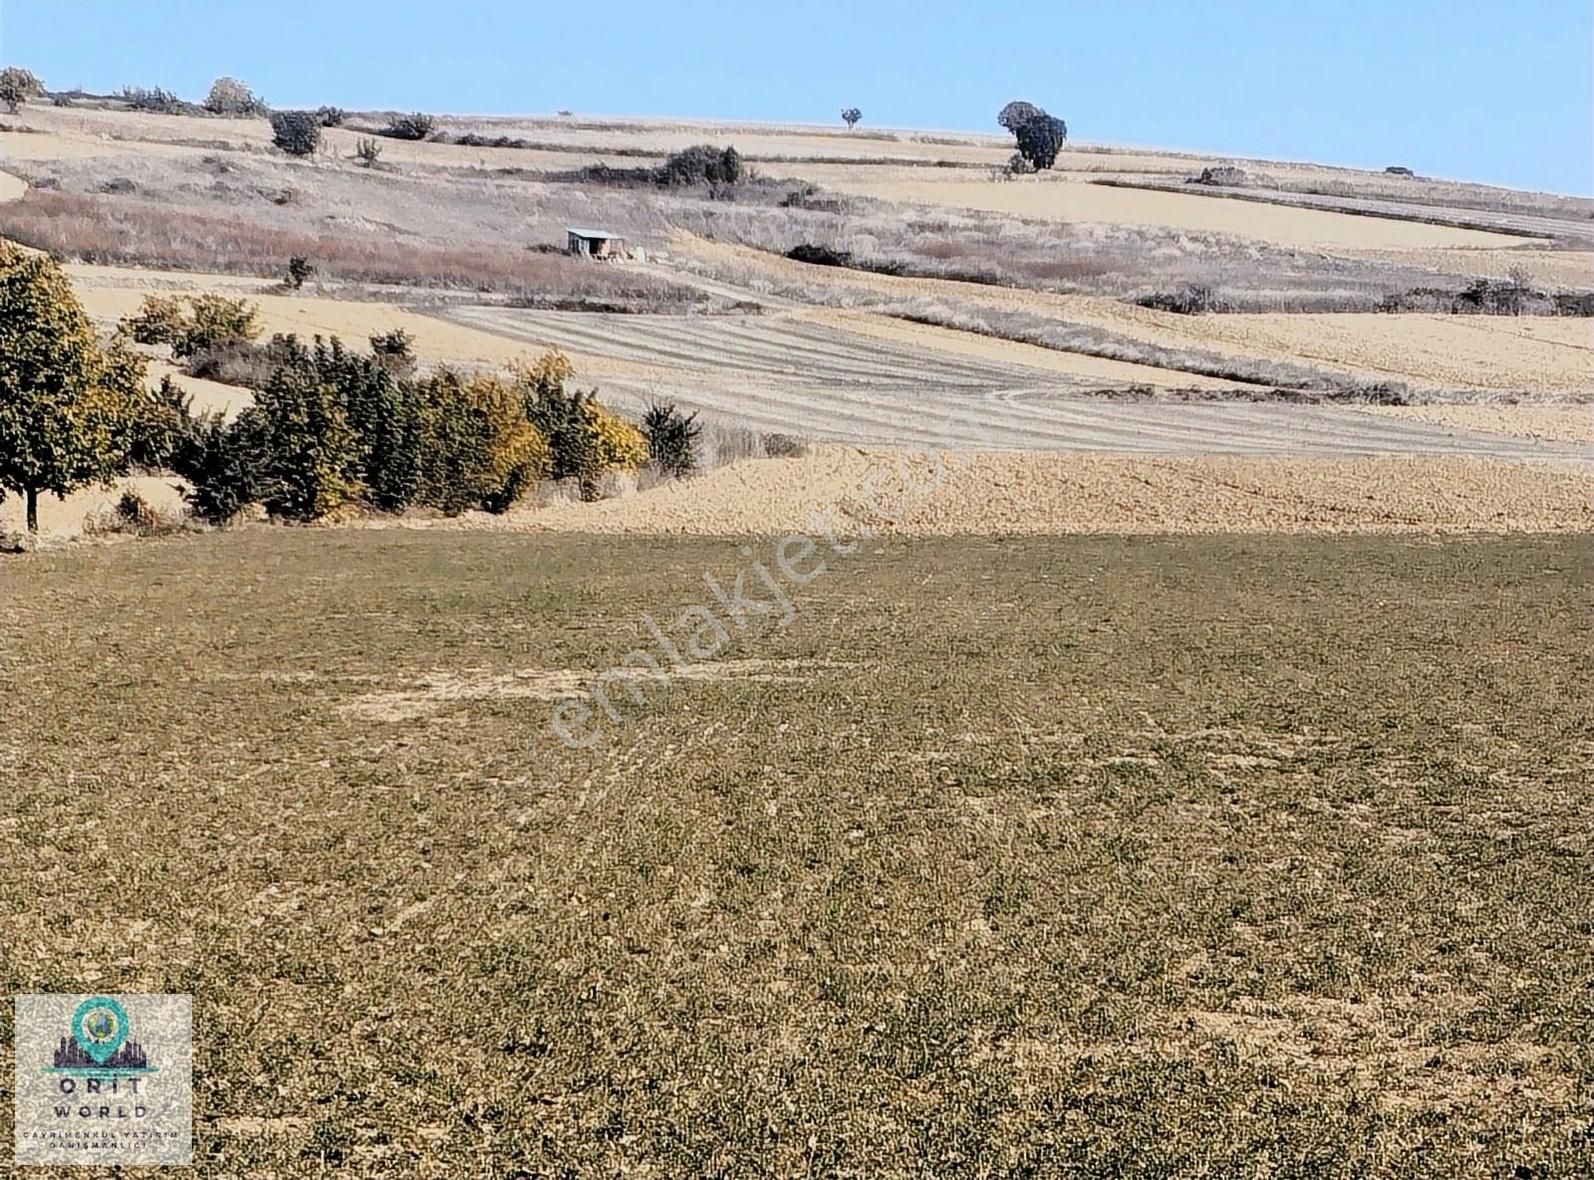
point(1479, 90)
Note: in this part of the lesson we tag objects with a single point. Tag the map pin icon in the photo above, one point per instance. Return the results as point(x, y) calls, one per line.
point(100, 1026)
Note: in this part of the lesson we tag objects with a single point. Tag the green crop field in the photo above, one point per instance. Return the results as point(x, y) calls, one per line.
point(1210, 857)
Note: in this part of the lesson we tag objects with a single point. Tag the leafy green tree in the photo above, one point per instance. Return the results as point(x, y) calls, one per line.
point(224, 461)
point(309, 451)
point(850, 116)
point(64, 402)
point(575, 442)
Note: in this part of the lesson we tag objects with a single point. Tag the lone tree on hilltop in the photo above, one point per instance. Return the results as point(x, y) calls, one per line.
point(1015, 114)
point(66, 405)
point(850, 116)
point(1041, 138)
point(228, 96)
point(17, 85)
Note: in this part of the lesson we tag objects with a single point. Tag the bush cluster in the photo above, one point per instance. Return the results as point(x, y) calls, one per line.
point(704, 163)
point(331, 427)
point(161, 102)
point(193, 324)
point(1513, 295)
point(415, 126)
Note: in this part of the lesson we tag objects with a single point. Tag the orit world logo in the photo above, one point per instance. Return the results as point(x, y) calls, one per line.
point(98, 1052)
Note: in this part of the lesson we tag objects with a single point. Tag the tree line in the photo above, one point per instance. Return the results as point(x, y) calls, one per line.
point(329, 426)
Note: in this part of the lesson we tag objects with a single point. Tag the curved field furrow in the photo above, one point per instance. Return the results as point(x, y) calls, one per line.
point(846, 378)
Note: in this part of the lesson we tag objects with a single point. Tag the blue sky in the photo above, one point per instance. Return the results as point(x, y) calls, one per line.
point(1483, 91)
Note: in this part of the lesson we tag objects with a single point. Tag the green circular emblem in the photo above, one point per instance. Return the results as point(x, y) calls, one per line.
point(100, 1026)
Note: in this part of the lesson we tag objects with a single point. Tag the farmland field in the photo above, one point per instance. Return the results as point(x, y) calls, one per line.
point(1005, 857)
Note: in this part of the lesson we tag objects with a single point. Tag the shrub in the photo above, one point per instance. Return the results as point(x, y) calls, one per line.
point(415, 126)
point(1192, 299)
point(236, 362)
point(216, 320)
point(136, 510)
point(819, 255)
point(300, 268)
point(1018, 165)
point(850, 116)
point(330, 116)
point(1040, 139)
point(1399, 170)
point(672, 439)
point(1224, 174)
point(228, 96)
point(784, 446)
point(368, 151)
point(620, 444)
point(159, 320)
point(156, 100)
point(395, 343)
point(296, 132)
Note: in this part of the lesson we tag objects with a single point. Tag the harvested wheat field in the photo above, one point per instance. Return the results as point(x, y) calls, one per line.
point(1574, 423)
point(1542, 355)
point(916, 493)
point(1066, 199)
point(1545, 355)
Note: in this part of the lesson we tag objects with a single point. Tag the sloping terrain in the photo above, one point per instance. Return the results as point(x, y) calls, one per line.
point(1514, 354)
point(1064, 198)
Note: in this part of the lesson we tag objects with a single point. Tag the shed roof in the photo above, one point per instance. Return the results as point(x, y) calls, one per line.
point(591, 233)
